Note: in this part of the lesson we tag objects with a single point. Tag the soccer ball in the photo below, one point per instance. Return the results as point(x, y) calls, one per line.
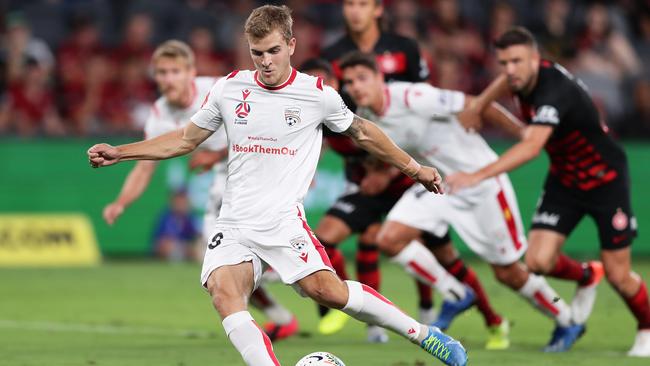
point(320, 359)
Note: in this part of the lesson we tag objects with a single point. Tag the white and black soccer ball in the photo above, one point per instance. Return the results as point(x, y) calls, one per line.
point(320, 359)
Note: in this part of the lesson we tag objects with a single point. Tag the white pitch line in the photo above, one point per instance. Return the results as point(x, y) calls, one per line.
point(48, 326)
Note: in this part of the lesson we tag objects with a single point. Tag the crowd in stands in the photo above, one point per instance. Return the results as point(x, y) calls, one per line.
point(76, 68)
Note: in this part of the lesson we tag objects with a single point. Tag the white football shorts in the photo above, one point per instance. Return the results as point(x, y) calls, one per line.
point(489, 224)
point(291, 249)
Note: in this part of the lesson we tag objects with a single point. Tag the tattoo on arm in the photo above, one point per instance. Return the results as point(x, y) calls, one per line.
point(357, 129)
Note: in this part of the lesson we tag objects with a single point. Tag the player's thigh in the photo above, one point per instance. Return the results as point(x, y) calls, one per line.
point(332, 229)
point(544, 246)
point(230, 286)
point(394, 236)
point(369, 236)
point(226, 247)
point(291, 249)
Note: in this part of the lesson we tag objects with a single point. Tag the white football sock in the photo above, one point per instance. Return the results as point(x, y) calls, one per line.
point(419, 262)
point(367, 305)
point(251, 342)
point(537, 291)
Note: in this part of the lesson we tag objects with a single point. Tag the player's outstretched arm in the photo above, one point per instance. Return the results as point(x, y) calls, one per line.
point(500, 117)
point(134, 185)
point(204, 159)
point(470, 116)
point(372, 139)
point(535, 138)
point(165, 146)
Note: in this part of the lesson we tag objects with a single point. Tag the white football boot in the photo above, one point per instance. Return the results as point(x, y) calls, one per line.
point(641, 347)
point(585, 297)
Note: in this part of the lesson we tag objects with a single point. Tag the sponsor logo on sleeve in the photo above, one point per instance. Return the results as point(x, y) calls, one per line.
point(547, 114)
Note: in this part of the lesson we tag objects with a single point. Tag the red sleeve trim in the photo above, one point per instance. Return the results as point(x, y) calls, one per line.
point(205, 100)
point(319, 83)
point(406, 97)
point(232, 74)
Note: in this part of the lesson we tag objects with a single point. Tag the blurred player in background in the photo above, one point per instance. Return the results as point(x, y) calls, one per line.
point(588, 176)
point(273, 118)
point(357, 212)
point(422, 119)
point(182, 95)
point(366, 269)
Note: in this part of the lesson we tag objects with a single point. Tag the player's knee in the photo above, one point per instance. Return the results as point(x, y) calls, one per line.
point(327, 293)
point(538, 265)
point(223, 297)
point(503, 277)
point(387, 241)
point(513, 275)
point(326, 296)
point(617, 277)
point(369, 236)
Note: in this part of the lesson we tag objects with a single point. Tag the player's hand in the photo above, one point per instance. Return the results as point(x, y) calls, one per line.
point(374, 183)
point(430, 179)
point(470, 118)
point(102, 155)
point(204, 160)
point(457, 181)
point(112, 212)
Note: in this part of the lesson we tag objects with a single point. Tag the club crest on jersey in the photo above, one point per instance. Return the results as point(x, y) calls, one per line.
point(292, 115)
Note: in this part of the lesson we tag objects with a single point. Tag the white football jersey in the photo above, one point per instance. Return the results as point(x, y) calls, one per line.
point(421, 119)
point(165, 117)
point(274, 137)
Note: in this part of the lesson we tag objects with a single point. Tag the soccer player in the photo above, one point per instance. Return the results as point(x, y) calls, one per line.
point(588, 176)
point(368, 212)
point(398, 57)
point(356, 211)
point(182, 95)
point(422, 120)
point(273, 118)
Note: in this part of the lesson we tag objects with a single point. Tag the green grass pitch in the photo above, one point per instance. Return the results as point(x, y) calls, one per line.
point(139, 314)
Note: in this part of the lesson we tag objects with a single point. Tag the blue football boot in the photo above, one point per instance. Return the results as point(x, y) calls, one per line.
point(450, 309)
point(444, 348)
point(563, 338)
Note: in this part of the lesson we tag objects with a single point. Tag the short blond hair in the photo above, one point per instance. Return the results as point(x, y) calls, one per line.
point(174, 49)
point(265, 19)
